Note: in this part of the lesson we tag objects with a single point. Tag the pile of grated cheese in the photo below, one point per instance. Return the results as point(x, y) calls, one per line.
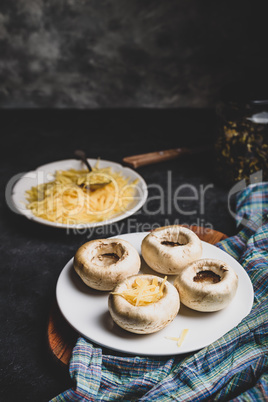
point(143, 291)
point(63, 199)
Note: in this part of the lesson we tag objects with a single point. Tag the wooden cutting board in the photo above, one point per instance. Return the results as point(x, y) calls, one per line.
point(62, 337)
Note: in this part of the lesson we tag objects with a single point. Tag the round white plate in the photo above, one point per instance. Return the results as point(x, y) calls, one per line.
point(45, 173)
point(86, 310)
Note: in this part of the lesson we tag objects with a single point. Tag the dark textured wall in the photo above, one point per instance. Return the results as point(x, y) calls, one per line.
point(121, 53)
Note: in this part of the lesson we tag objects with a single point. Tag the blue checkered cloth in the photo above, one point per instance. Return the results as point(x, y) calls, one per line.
point(233, 368)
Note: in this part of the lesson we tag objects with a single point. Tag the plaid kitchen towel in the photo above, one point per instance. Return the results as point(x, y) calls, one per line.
point(233, 368)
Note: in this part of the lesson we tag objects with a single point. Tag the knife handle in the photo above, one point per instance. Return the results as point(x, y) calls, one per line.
point(136, 161)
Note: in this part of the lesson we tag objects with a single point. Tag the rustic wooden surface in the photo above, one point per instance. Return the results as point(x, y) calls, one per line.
point(62, 337)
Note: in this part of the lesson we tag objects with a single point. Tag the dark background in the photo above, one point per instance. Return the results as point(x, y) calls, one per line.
point(116, 79)
point(156, 54)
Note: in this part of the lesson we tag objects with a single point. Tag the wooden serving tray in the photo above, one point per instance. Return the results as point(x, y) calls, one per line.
point(62, 337)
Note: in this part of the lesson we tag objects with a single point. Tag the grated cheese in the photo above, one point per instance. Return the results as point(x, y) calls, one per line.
point(143, 291)
point(66, 199)
point(181, 337)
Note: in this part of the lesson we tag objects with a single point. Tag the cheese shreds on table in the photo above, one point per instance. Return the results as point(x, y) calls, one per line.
point(68, 200)
point(181, 337)
point(143, 291)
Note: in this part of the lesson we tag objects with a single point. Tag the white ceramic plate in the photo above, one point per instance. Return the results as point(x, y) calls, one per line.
point(87, 311)
point(44, 174)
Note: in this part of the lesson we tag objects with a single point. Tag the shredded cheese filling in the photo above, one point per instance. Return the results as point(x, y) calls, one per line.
point(181, 338)
point(68, 198)
point(143, 291)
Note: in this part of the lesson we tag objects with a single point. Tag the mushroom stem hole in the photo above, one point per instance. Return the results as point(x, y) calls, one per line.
point(207, 276)
point(109, 256)
point(171, 243)
point(174, 240)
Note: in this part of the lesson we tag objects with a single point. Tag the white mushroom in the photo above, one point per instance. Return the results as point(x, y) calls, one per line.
point(148, 318)
point(169, 249)
point(103, 263)
point(207, 285)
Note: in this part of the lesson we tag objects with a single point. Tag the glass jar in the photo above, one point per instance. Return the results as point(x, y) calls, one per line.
point(241, 148)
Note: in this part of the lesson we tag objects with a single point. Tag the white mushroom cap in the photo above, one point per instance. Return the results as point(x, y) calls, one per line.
point(144, 319)
point(103, 263)
point(169, 249)
point(207, 285)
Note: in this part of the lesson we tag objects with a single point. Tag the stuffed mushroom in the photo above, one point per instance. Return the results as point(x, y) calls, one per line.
point(169, 249)
point(207, 285)
point(146, 316)
point(103, 263)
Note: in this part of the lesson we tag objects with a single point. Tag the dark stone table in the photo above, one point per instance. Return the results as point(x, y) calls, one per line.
point(33, 255)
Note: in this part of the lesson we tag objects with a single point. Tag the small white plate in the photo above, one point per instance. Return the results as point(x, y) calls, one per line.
point(86, 310)
point(44, 174)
